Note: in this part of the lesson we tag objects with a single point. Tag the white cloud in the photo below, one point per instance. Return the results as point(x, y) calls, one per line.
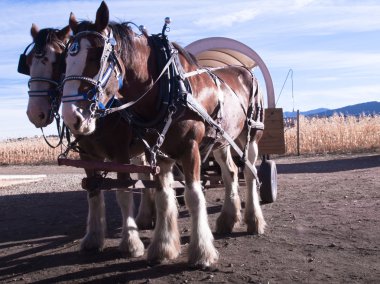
point(324, 60)
point(226, 19)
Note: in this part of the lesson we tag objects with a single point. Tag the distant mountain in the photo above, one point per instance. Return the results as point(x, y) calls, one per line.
point(363, 108)
point(306, 113)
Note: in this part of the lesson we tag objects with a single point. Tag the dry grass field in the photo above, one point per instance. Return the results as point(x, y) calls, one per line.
point(336, 134)
point(29, 151)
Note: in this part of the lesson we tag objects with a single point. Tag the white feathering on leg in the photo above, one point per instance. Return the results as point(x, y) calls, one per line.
point(201, 248)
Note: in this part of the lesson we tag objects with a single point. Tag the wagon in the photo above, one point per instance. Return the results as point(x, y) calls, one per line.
point(210, 52)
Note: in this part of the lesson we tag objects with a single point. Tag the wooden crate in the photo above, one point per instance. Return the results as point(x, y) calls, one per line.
point(273, 140)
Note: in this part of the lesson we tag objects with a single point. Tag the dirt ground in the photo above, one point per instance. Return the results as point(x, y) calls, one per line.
point(323, 228)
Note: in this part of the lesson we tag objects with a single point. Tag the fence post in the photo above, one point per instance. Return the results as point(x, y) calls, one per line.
point(298, 132)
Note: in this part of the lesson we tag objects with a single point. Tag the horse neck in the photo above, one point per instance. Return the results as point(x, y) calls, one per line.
point(140, 75)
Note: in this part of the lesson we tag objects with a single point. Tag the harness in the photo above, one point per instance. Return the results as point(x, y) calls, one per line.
point(175, 92)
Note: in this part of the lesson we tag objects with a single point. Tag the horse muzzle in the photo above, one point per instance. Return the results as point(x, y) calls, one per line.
point(39, 115)
point(79, 121)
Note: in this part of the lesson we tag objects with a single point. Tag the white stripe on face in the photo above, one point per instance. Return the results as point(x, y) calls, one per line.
point(75, 65)
point(42, 67)
point(39, 108)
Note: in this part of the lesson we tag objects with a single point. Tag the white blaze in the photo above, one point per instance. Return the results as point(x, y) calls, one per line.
point(75, 65)
point(41, 67)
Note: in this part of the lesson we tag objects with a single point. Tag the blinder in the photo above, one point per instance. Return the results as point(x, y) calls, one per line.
point(23, 67)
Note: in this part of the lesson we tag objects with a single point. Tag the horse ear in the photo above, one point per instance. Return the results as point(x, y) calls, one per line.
point(34, 31)
point(73, 23)
point(102, 17)
point(64, 33)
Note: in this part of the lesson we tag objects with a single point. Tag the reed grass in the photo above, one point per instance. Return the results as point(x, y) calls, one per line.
point(336, 134)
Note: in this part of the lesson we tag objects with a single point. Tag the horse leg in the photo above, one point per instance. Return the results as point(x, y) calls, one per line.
point(96, 220)
point(145, 218)
point(166, 239)
point(201, 248)
point(146, 213)
point(253, 215)
point(130, 240)
point(231, 207)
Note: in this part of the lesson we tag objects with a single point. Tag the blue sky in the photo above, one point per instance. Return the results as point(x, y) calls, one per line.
point(333, 47)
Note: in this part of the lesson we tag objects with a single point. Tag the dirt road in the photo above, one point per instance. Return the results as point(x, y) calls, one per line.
point(324, 228)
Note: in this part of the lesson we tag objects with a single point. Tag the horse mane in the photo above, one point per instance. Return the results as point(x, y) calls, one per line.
point(124, 34)
point(44, 37)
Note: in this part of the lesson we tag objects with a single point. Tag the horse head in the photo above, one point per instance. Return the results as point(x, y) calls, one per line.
point(106, 60)
point(45, 65)
point(90, 64)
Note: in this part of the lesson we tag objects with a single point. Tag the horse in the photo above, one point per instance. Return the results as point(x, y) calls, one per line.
point(45, 64)
point(181, 111)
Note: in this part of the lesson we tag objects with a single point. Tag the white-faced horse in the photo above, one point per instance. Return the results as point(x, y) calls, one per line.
point(177, 108)
point(46, 66)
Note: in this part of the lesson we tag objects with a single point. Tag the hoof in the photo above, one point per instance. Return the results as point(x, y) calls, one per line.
point(92, 243)
point(203, 258)
point(132, 247)
point(225, 223)
point(255, 227)
point(157, 253)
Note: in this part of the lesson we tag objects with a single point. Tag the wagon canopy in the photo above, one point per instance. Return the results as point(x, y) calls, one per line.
point(221, 51)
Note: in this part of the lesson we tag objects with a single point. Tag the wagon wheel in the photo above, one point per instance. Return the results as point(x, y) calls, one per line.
point(268, 176)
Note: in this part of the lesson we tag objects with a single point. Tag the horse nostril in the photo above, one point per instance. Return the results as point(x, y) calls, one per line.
point(41, 116)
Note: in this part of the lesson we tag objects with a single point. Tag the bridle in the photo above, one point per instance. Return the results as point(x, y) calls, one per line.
point(100, 81)
point(53, 93)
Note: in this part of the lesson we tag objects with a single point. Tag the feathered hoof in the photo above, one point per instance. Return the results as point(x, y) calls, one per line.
point(132, 247)
point(225, 223)
point(158, 252)
point(255, 227)
point(92, 242)
point(203, 259)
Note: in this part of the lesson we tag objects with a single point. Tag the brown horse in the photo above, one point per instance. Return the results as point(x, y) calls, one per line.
point(175, 124)
point(46, 66)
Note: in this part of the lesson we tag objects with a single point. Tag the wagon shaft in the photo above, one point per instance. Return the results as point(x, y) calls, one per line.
point(101, 183)
point(94, 183)
point(109, 166)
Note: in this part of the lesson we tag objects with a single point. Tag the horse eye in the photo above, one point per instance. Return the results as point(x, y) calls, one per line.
point(74, 48)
